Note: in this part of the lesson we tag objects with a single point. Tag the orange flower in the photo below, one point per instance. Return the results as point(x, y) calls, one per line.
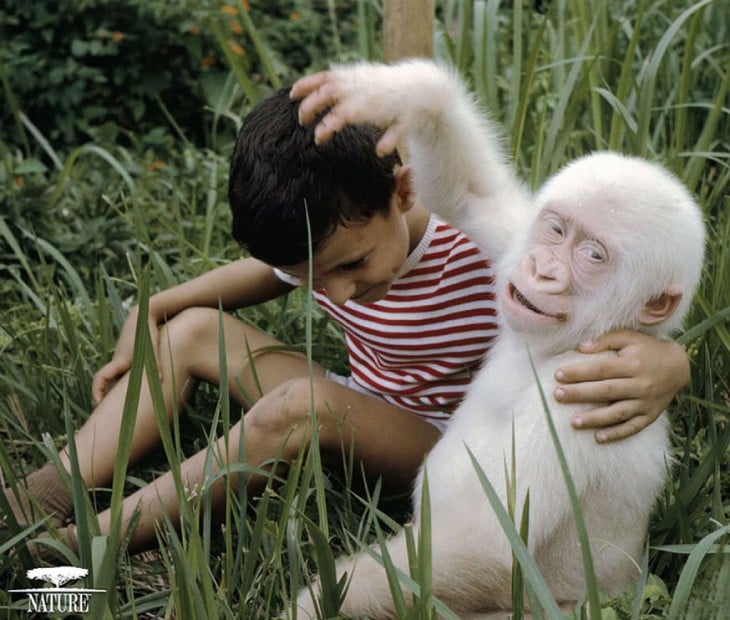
point(236, 27)
point(236, 48)
point(246, 5)
point(156, 165)
point(207, 61)
point(193, 30)
point(117, 36)
point(230, 10)
point(20, 181)
point(294, 16)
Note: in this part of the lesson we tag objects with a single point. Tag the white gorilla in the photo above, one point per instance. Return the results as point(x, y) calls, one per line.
point(609, 242)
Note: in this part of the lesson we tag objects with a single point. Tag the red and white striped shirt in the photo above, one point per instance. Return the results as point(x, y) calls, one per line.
point(420, 345)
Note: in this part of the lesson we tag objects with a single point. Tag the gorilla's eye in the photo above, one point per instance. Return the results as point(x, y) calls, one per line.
point(593, 251)
point(555, 226)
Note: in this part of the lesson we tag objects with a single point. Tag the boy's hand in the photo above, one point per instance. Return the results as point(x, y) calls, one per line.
point(121, 361)
point(638, 383)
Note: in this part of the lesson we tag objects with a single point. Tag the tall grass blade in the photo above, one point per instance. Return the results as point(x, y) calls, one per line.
point(142, 350)
point(641, 584)
point(332, 589)
point(648, 85)
point(366, 30)
point(485, 51)
point(40, 138)
point(521, 113)
point(249, 88)
point(621, 118)
point(425, 555)
point(551, 154)
point(688, 575)
point(13, 105)
point(20, 255)
point(262, 50)
point(71, 275)
point(314, 458)
point(594, 599)
point(698, 158)
point(65, 172)
point(516, 64)
point(396, 576)
point(529, 568)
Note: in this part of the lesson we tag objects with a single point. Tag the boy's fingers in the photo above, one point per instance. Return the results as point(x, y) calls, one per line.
point(611, 423)
point(622, 431)
point(611, 341)
point(613, 414)
point(592, 370)
point(97, 390)
point(107, 374)
point(98, 386)
point(595, 391)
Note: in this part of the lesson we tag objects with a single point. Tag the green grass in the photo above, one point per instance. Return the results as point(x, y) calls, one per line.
point(87, 231)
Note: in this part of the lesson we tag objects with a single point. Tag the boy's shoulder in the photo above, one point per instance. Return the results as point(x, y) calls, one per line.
point(445, 243)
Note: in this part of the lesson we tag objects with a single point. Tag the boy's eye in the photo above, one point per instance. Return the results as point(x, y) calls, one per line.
point(351, 266)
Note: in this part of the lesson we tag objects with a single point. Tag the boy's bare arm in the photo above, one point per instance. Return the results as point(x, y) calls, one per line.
point(242, 283)
point(460, 170)
point(245, 282)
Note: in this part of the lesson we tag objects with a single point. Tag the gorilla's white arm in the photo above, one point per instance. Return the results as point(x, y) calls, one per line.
point(460, 170)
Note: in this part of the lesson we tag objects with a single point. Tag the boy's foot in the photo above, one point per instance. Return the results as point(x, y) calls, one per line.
point(44, 495)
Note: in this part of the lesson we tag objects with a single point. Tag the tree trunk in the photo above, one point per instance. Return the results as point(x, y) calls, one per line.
point(407, 28)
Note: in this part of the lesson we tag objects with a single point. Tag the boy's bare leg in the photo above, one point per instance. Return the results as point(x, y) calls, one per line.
point(188, 353)
point(388, 441)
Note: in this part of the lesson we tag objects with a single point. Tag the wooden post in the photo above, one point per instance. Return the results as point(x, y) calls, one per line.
point(407, 28)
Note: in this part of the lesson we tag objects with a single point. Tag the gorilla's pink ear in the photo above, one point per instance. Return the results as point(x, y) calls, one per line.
point(662, 307)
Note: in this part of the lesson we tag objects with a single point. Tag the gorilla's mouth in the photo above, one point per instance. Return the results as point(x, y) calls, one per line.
point(523, 301)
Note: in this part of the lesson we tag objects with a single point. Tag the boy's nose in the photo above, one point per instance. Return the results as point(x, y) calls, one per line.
point(339, 290)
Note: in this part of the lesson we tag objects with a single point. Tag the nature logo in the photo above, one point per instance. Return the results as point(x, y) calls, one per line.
point(58, 599)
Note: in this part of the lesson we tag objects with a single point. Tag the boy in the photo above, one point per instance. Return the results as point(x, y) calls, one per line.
point(414, 296)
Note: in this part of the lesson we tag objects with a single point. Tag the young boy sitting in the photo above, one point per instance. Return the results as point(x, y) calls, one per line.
point(414, 296)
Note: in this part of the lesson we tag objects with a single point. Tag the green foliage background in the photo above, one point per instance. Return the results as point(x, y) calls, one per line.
point(117, 120)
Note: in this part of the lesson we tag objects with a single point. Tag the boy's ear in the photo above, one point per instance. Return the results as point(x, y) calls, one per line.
point(662, 307)
point(404, 187)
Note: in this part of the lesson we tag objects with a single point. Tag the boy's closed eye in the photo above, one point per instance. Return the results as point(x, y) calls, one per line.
point(354, 264)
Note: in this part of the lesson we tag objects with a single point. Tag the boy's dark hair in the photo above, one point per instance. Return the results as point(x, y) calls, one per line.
point(277, 170)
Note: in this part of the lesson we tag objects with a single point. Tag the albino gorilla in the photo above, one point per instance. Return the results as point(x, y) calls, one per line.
point(609, 242)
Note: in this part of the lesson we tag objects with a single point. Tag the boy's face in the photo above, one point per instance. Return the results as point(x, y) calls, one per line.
point(359, 261)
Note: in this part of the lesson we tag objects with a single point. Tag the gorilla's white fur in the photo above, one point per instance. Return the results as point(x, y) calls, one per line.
point(634, 240)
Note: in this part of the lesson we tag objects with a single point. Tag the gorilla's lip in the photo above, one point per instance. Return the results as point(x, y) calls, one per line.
point(518, 297)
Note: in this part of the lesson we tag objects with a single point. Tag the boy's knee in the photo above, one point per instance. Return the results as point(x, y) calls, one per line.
point(282, 410)
point(190, 326)
point(285, 413)
point(184, 336)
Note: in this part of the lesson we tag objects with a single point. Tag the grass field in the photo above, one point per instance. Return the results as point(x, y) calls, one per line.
point(86, 232)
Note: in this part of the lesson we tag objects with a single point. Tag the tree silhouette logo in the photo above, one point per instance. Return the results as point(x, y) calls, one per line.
point(58, 599)
point(58, 575)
